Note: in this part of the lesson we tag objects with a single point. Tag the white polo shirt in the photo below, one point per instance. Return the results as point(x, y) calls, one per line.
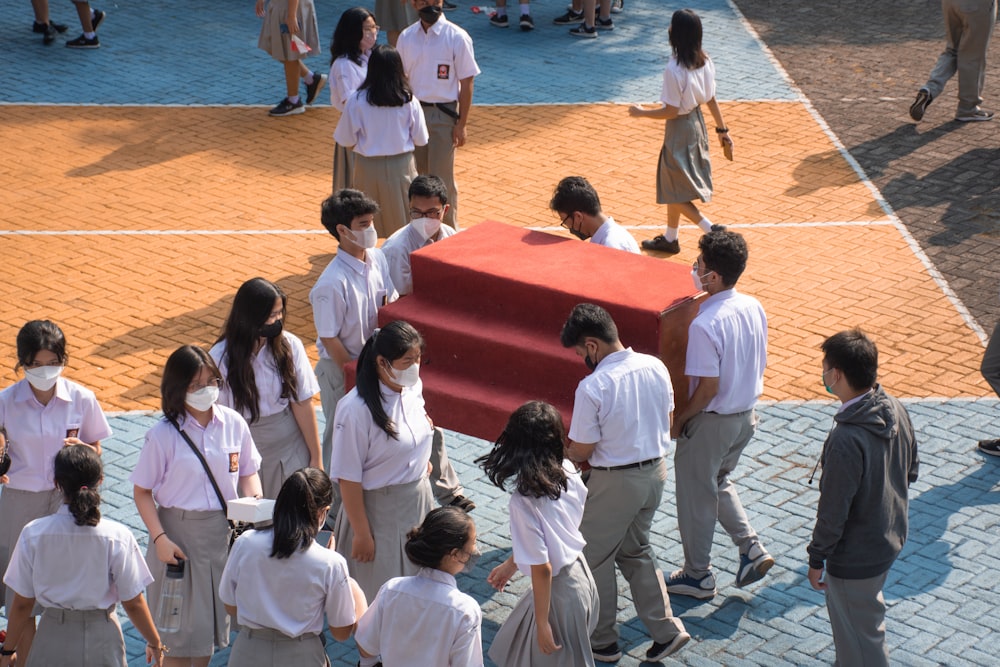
point(687, 89)
point(36, 432)
point(613, 235)
point(346, 76)
point(375, 131)
point(397, 249)
point(436, 60)
point(363, 452)
point(543, 530)
point(728, 340)
point(423, 620)
point(624, 408)
point(173, 472)
point(66, 566)
point(291, 594)
point(267, 379)
point(346, 298)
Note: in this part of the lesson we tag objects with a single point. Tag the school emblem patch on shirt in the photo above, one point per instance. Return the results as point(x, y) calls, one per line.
point(443, 71)
point(234, 461)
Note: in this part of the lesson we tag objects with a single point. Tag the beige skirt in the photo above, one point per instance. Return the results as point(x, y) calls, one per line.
point(275, 38)
point(267, 648)
point(204, 537)
point(684, 172)
point(17, 509)
point(65, 638)
point(343, 167)
point(572, 615)
point(394, 15)
point(392, 512)
point(386, 179)
point(282, 449)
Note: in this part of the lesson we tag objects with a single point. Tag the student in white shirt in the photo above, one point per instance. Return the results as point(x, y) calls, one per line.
point(77, 566)
point(178, 504)
point(269, 381)
point(576, 203)
point(353, 39)
point(551, 625)
point(383, 123)
point(424, 619)
point(279, 582)
point(40, 415)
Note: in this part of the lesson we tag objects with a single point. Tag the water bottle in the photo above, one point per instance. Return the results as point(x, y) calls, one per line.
point(168, 613)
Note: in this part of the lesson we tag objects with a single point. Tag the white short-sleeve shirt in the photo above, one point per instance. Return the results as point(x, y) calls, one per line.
point(346, 76)
point(613, 235)
point(375, 131)
point(543, 530)
point(267, 378)
point(36, 432)
point(624, 408)
point(291, 594)
point(173, 472)
point(346, 298)
point(437, 59)
point(397, 249)
point(363, 452)
point(728, 340)
point(423, 620)
point(687, 89)
point(66, 566)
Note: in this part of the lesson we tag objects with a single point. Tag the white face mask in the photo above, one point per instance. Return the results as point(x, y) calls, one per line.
point(43, 378)
point(368, 237)
point(697, 280)
point(368, 39)
point(203, 399)
point(406, 377)
point(426, 227)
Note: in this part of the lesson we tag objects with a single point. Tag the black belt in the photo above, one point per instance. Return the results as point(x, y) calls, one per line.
point(447, 108)
point(630, 466)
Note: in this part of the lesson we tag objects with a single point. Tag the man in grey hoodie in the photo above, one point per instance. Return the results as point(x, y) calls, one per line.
point(869, 460)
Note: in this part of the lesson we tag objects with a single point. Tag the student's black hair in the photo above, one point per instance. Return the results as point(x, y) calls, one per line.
point(443, 530)
point(391, 342)
point(348, 34)
point(588, 320)
point(685, 39)
point(296, 511)
point(182, 367)
point(855, 355)
point(575, 193)
point(725, 253)
point(343, 206)
point(38, 335)
point(252, 306)
point(385, 84)
point(78, 473)
point(428, 185)
point(530, 449)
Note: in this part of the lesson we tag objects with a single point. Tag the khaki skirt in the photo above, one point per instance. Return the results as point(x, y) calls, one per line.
point(282, 449)
point(17, 509)
point(204, 537)
point(572, 615)
point(684, 172)
point(343, 167)
point(277, 41)
point(65, 638)
point(386, 179)
point(267, 648)
point(392, 512)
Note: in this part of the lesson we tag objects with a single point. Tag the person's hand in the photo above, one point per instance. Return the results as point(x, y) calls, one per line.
point(635, 110)
point(259, 8)
point(501, 574)
point(363, 548)
point(331, 543)
point(167, 551)
point(816, 579)
point(458, 136)
point(293, 24)
point(68, 442)
point(8, 660)
point(4, 479)
point(726, 139)
point(154, 656)
point(546, 642)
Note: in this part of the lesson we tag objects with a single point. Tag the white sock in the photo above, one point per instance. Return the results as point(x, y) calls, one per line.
point(670, 234)
point(309, 78)
point(525, 9)
point(705, 224)
point(294, 100)
point(90, 35)
point(501, 11)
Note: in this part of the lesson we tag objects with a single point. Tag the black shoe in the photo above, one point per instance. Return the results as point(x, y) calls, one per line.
point(97, 18)
point(920, 105)
point(583, 31)
point(660, 651)
point(462, 503)
point(499, 21)
point(527, 23)
point(50, 34)
point(449, 6)
point(717, 228)
point(569, 18)
point(605, 24)
point(662, 245)
point(42, 27)
point(991, 447)
point(609, 653)
point(82, 42)
point(286, 108)
point(312, 89)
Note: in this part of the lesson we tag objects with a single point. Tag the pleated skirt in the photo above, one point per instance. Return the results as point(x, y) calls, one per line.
point(277, 41)
point(282, 448)
point(17, 509)
point(65, 638)
point(684, 172)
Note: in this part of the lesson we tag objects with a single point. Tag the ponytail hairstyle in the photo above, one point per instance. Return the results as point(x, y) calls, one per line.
point(444, 529)
point(391, 342)
point(252, 307)
point(530, 450)
point(685, 39)
point(300, 499)
point(78, 473)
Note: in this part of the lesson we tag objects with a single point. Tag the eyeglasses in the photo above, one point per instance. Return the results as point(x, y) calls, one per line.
point(374, 28)
point(416, 213)
point(562, 221)
point(214, 382)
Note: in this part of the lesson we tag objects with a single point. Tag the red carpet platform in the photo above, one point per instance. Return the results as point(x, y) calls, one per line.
point(491, 302)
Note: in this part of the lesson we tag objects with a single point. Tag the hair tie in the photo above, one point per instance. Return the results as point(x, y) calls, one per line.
point(84, 487)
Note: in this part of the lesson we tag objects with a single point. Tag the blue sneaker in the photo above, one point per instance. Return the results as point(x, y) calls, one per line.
point(754, 564)
point(679, 583)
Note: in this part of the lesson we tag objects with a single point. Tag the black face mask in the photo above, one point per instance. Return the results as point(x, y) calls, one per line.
point(589, 362)
point(272, 330)
point(578, 234)
point(430, 14)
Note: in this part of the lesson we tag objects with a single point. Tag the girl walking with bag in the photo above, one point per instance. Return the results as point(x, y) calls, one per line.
point(179, 499)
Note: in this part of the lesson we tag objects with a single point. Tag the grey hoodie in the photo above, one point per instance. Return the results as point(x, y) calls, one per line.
point(869, 459)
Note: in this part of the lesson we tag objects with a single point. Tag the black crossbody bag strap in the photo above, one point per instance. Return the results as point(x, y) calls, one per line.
point(208, 471)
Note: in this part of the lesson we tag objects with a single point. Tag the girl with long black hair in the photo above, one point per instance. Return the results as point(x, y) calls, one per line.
point(353, 39)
